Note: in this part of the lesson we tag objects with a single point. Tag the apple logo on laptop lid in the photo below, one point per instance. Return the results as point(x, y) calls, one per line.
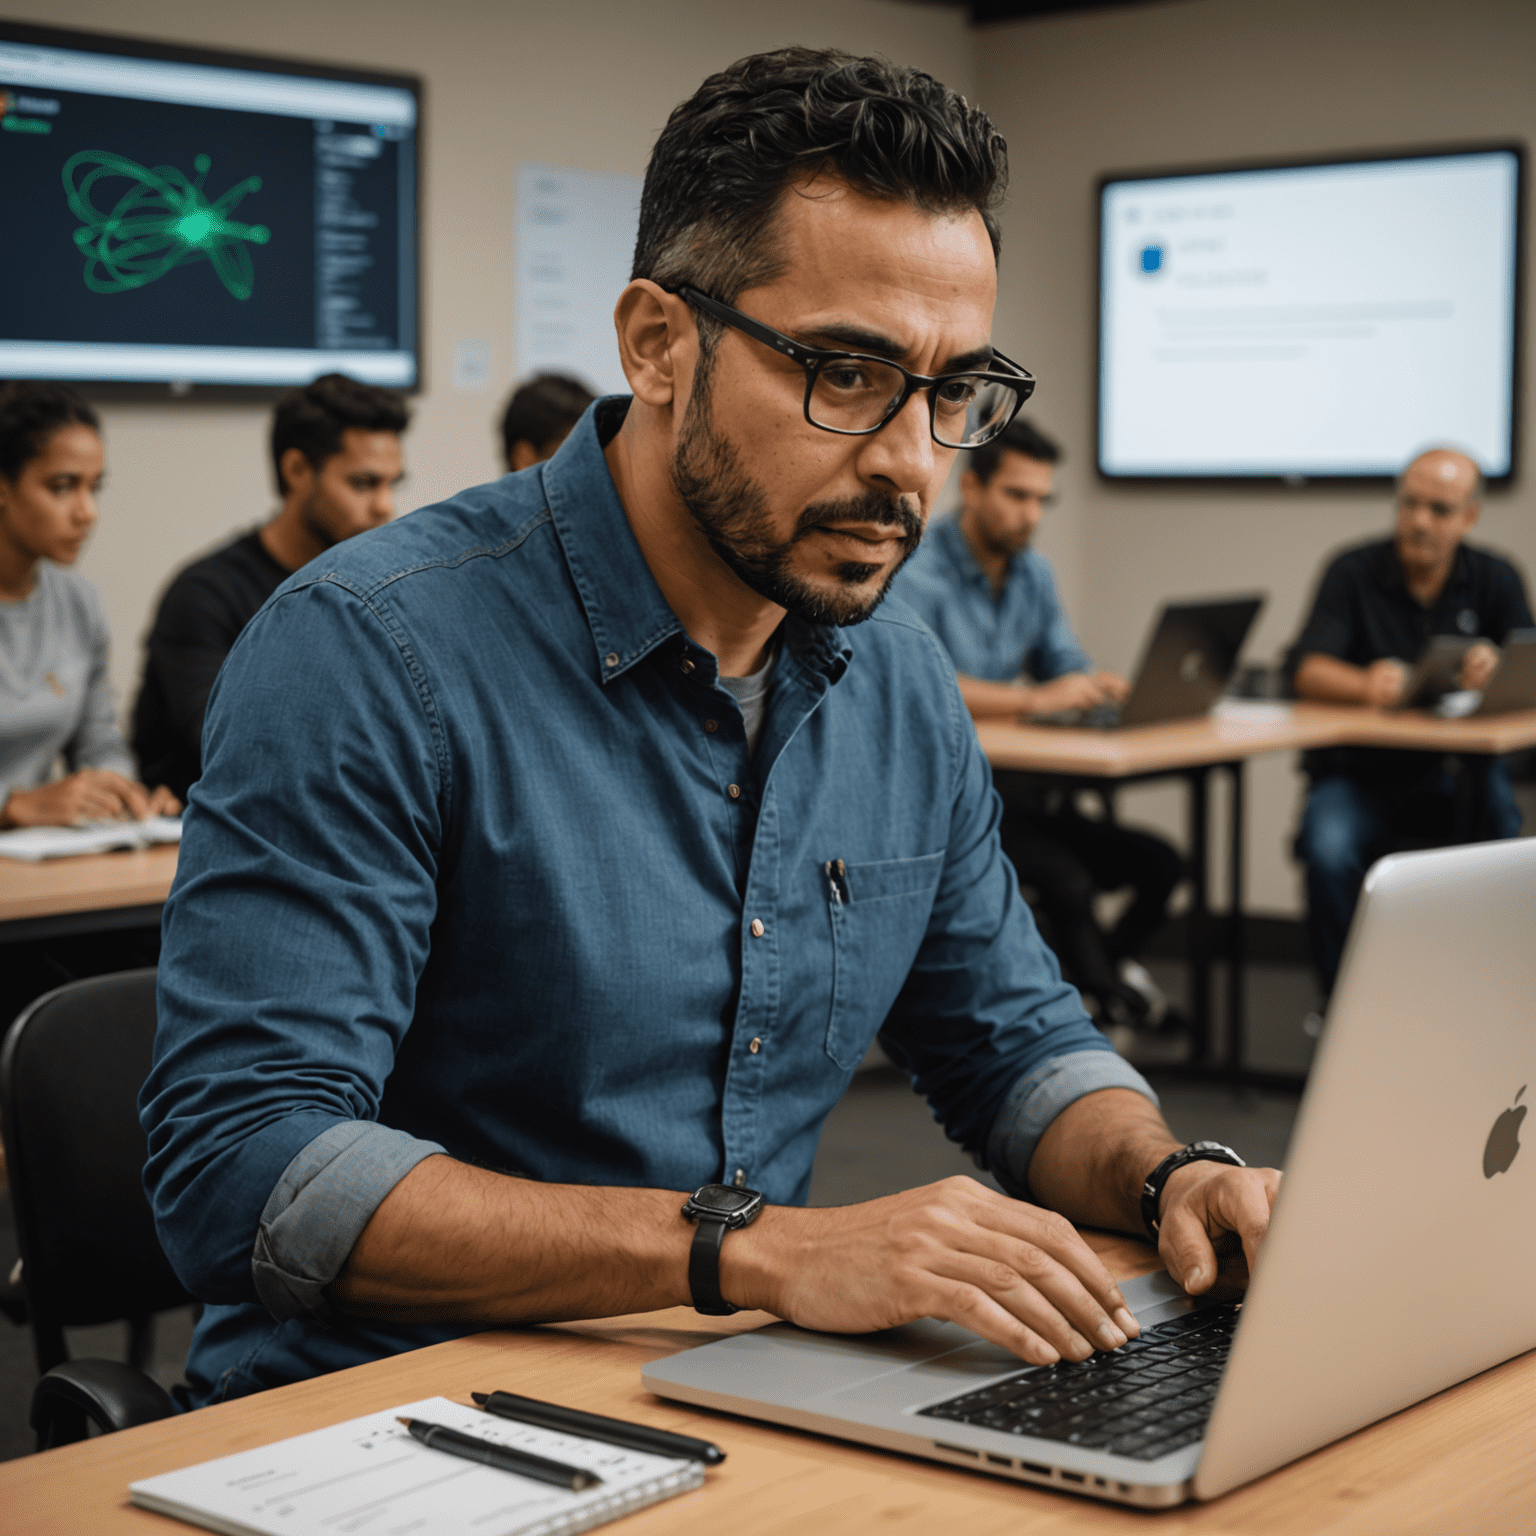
point(1189, 668)
point(1504, 1139)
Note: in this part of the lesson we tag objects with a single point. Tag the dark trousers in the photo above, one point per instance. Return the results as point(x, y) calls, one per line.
point(1067, 860)
point(1349, 823)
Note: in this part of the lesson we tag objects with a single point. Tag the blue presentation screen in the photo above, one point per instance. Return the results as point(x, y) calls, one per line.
point(1310, 321)
point(180, 221)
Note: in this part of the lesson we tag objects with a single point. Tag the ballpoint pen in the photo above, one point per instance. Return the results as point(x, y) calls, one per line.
point(505, 1458)
point(592, 1426)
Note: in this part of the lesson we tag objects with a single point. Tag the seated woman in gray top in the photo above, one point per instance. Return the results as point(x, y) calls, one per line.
point(54, 644)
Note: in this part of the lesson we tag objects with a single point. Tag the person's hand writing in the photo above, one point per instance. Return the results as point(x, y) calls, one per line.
point(1213, 1218)
point(1072, 690)
point(1384, 681)
point(91, 794)
point(1013, 1273)
point(1477, 666)
point(163, 803)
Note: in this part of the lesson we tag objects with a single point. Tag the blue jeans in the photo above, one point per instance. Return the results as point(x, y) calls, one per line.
point(1348, 824)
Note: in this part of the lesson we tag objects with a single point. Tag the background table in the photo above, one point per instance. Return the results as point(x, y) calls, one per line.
point(1193, 750)
point(1463, 1461)
point(94, 893)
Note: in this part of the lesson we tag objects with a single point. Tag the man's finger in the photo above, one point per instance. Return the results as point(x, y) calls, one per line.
point(974, 1307)
point(1185, 1247)
point(1084, 1284)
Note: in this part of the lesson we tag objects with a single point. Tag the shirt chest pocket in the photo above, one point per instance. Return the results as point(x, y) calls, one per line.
point(879, 913)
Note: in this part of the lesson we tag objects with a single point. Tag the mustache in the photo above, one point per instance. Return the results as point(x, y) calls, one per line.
point(871, 507)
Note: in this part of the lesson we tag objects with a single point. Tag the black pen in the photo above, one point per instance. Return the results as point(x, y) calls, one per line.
point(505, 1458)
point(592, 1426)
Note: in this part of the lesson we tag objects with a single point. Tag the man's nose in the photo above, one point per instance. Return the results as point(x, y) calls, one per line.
point(901, 453)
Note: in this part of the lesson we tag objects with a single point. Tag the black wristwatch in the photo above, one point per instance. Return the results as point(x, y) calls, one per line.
point(1195, 1152)
point(717, 1209)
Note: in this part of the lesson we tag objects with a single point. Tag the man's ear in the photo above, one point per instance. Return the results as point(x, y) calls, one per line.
point(658, 342)
point(970, 485)
point(297, 473)
point(1474, 510)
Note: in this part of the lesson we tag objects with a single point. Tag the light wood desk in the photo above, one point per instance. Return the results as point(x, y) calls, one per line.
point(1463, 1461)
point(95, 892)
point(1192, 750)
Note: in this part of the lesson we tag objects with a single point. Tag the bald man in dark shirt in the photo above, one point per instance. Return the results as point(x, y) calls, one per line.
point(1376, 608)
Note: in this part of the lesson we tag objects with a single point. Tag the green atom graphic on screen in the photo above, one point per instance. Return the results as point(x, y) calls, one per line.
point(161, 221)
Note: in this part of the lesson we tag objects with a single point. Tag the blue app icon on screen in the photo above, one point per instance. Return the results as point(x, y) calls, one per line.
point(1151, 259)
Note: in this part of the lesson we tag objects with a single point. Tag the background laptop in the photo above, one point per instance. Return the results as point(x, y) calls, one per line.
point(1398, 1261)
point(1191, 654)
point(1513, 685)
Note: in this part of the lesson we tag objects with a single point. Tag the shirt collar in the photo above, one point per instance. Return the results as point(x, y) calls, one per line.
point(1389, 568)
point(951, 539)
point(625, 608)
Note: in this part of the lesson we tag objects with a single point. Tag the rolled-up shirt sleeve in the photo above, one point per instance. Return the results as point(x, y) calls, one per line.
point(994, 1038)
point(1036, 1100)
point(293, 942)
point(318, 1210)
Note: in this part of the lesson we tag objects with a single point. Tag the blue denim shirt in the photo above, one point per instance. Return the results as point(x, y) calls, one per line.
point(477, 864)
point(990, 635)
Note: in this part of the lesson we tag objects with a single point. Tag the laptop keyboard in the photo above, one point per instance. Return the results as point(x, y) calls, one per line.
point(1102, 717)
point(1150, 1396)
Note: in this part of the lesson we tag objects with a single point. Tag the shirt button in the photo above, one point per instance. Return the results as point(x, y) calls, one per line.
point(734, 791)
point(711, 726)
point(740, 1181)
point(687, 667)
point(757, 928)
point(756, 1045)
point(611, 659)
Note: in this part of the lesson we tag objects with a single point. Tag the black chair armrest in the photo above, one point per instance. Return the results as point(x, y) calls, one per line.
point(110, 1395)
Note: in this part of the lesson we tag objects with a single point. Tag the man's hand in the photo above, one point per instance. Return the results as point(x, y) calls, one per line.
point(1213, 1218)
point(1478, 664)
point(92, 794)
point(1072, 690)
point(1112, 686)
point(1013, 1273)
point(1384, 683)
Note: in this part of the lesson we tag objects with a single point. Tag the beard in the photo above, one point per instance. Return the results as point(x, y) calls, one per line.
point(731, 510)
point(314, 523)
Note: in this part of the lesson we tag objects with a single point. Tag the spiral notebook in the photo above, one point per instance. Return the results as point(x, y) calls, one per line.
point(368, 1474)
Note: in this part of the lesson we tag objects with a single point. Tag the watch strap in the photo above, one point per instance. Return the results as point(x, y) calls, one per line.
point(704, 1267)
point(1152, 1190)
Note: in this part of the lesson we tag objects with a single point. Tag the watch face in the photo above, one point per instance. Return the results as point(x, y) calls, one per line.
point(722, 1198)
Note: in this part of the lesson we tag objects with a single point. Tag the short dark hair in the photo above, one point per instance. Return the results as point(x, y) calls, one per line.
point(544, 408)
point(1019, 436)
point(313, 419)
point(727, 153)
point(30, 413)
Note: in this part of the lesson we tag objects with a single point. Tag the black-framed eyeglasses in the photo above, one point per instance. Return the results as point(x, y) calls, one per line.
point(854, 393)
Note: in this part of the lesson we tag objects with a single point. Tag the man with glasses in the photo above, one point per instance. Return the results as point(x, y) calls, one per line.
point(632, 833)
point(992, 601)
point(1376, 608)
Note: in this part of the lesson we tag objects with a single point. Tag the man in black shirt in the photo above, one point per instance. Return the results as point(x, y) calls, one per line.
point(336, 450)
point(1375, 610)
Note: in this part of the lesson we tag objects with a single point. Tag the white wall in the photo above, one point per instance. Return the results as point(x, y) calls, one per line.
point(1180, 83)
point(588, 85)
point(1186, 83)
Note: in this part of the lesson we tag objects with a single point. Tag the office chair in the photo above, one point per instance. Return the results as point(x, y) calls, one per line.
point(70, 1071)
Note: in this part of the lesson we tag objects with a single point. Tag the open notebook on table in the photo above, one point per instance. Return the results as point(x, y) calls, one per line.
point(34, 844)
point(368, 1473)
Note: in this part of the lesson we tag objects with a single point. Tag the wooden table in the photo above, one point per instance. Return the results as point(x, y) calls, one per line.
point(1463, 1461)
point(1192, 750)
point(93, 893)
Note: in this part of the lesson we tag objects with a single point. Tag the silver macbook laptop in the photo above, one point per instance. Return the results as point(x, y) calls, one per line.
point(1398, 1262)
point(1187, 663)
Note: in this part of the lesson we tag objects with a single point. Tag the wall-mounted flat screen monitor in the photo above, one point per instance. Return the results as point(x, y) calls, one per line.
point(1310, 321)
point(184, 220)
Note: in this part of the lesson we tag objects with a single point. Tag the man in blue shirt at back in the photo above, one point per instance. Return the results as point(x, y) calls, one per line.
point(560, 849)
point(992, 601)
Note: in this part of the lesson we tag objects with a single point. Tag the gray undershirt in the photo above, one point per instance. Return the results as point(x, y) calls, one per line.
point(751, 695)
